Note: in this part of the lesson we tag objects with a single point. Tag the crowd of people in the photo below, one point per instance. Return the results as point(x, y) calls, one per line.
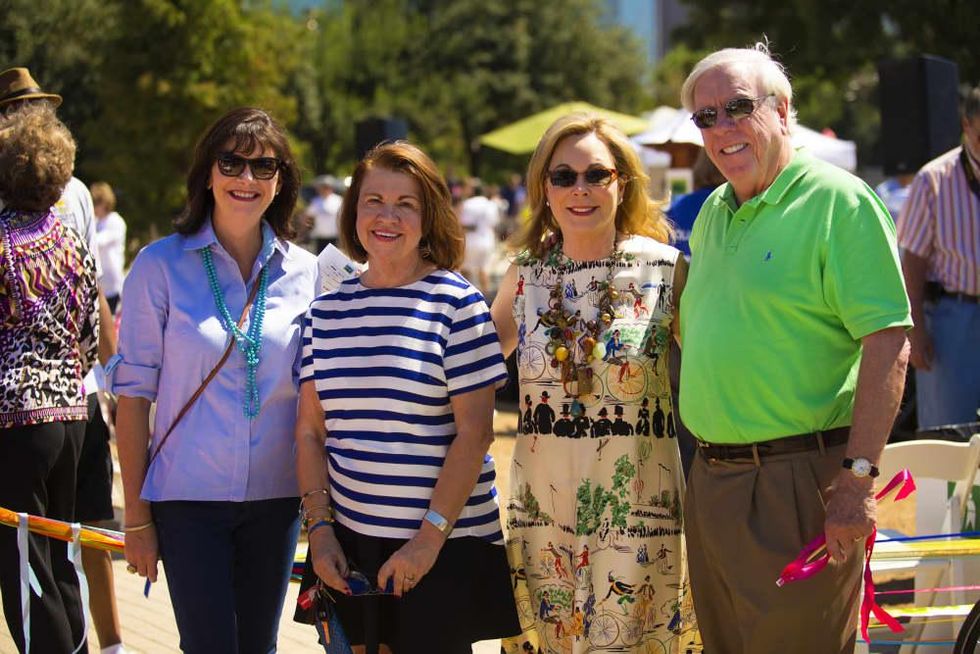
point(363, 415)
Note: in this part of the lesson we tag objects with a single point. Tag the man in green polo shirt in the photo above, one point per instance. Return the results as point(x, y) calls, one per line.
point(793, 330)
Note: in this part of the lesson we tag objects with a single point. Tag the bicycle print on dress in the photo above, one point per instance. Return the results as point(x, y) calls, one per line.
point(594, 516)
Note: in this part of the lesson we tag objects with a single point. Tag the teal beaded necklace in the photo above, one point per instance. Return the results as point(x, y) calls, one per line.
point(248, 342)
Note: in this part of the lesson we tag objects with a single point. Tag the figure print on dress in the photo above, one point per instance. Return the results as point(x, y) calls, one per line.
point(589, 495)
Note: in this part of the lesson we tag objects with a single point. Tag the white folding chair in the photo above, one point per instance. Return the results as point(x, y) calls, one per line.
point(934, 464)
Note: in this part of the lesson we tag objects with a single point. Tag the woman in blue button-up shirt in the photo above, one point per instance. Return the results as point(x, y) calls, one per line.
point(217, 501)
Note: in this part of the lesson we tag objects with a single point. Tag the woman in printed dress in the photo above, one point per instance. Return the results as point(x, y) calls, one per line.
point(591, 498)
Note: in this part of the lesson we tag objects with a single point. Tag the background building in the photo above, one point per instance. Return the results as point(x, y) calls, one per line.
point(651, 20)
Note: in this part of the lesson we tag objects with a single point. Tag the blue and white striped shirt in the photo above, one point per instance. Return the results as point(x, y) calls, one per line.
point(385, 362)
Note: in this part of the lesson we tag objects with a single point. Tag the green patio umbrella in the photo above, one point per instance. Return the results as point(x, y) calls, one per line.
point(520, 137)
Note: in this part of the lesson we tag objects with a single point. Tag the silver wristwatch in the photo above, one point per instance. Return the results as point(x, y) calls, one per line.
point(438, 521)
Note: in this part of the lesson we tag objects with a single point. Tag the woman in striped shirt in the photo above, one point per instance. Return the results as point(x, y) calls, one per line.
point(400, 366)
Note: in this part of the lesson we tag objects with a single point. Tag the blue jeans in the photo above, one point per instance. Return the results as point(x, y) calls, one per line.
point(950, 392)
point(227, 565)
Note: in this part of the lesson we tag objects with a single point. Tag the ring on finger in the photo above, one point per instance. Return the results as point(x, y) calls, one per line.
point(131, 569)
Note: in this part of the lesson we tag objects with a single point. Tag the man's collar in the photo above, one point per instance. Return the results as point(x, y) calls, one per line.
point(973, 160)
point(795, 169)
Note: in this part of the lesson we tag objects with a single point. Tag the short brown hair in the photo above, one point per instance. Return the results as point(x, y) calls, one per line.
point(251, 129)
point(637, 214)
point(442, 235)
point(37, 157)
point(102, 194)
point(971, 103)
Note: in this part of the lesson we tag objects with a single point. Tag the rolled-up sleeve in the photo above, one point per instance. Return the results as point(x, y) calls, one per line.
point(136, 370)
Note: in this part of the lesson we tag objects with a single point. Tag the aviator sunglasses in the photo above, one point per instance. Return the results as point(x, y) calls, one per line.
point(596, 176)
point(232, 165)
point(736, 109)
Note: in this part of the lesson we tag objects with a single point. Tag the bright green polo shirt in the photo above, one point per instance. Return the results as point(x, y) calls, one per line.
point(780, 292)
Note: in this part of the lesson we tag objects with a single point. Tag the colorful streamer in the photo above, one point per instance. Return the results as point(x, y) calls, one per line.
point(940, 589)
point(888, 550)
point(952, 611)
point(102, 539)
point(814, 557)
point(910, 539)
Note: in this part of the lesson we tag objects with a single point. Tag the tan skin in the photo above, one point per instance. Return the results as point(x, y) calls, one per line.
point(389, 227)
point(473, 414)
point(237, 225)
point(586, 217)
point(851, 509)
point(751, 152)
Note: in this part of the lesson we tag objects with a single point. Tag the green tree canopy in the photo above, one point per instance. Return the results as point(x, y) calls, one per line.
point(179, 66)
point(456, 70)
point(143, 78)
point(61, 42)
point(832, 47)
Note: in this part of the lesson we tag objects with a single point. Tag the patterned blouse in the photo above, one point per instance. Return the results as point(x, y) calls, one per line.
point(48, 319)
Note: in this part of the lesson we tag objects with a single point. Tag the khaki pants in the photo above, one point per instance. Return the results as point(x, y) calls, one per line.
point(744, 523)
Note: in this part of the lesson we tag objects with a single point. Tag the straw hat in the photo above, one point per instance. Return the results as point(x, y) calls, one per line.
point(16, 84)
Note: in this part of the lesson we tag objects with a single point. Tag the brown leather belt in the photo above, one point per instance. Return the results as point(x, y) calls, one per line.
point(819, 440)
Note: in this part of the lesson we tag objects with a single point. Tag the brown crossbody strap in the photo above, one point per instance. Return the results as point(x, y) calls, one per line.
point(211, 375)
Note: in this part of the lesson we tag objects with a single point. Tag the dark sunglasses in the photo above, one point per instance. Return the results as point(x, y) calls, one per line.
point(232, 165)
point(359, 584)
point(736, 109)
point(566, 177)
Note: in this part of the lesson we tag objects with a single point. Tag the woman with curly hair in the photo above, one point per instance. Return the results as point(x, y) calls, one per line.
point(48, 340)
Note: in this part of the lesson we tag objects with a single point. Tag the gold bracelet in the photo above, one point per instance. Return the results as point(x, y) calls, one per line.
point(130, 530)
point(322, 505)
point(308, 519)
point(313, 492)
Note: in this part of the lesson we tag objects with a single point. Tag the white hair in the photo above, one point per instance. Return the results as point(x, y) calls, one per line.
point(758, 59)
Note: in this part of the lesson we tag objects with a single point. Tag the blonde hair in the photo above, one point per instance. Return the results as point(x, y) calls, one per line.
point(37, 157)
point(102, 194)
point(637, 213)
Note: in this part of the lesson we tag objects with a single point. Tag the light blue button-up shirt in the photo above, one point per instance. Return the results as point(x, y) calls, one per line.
point(171, 337)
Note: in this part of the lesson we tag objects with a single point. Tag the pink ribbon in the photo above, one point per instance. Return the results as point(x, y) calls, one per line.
point(814, 557)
